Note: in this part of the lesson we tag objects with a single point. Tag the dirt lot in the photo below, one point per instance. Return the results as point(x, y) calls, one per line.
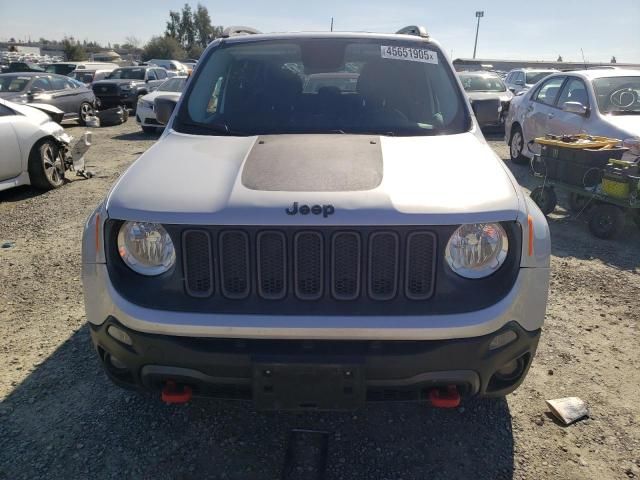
point(61, 418)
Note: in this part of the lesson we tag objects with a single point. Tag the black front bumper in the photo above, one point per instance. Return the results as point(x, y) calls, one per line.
point(128, 98)
point(389, 370)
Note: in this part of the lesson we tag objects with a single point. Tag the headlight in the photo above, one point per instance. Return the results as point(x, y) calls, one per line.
point(127, 86)
point(146, 248)
point(477, 250)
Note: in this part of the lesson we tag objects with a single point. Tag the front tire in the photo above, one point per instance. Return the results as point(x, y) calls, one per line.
point(86, 110)
point(46, 165)
point(516, 145)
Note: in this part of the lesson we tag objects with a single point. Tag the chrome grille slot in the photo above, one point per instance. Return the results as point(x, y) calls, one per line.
point(420, 265)
point(198, 264)
point(234, 264)
point(346, 260)
point(383, 265)
point(272, 265)
point(308, 263)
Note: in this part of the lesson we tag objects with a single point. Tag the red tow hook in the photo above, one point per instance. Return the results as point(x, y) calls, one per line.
point(174, 394)
point(441, 398)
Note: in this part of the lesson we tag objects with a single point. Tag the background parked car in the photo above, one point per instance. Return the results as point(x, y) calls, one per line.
point(72, 97)
point(23, 67)
point(597, 102)
point(481, 86)
point(89, 76)
point(33, 148)
point(65, 68)
point(145, 112)
point(169, 65)
point(125, 86)
point(522, 79)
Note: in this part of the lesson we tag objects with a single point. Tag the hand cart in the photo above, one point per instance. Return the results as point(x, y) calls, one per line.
point(592, 171)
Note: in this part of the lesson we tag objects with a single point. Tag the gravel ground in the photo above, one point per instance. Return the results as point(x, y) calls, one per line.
point(61, 418)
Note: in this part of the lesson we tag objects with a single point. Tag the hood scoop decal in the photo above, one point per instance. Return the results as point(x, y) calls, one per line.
point(314, 163)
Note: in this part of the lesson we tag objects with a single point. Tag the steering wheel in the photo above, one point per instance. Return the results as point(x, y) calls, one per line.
point(624, 97)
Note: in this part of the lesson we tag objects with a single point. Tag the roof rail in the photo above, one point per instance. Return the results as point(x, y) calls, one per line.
point(417, 30)
point(236, 30)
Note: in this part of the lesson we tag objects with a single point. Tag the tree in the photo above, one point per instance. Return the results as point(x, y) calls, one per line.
point(613, 60)
point(559, 58)
point(133, 41)
point(173, 25)
point(187, 31)
point(163, 47)
point(203, 27)
point(73, 50)
point(192, 30)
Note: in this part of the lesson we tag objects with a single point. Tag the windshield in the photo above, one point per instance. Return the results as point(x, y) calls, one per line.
point(328, 85)
point(535, 77)
point(13, 83)
point(128, 73)
point(60, 68)
point(173, 85)
point(482, 83)
point(84, 77)
point(618, 95)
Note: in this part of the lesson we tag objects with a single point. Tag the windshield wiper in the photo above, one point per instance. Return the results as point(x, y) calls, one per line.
point(219, 128)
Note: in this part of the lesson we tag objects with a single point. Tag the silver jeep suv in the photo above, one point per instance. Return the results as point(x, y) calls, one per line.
point(322, 223)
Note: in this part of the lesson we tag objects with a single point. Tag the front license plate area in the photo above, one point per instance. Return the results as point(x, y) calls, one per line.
point(304, 386)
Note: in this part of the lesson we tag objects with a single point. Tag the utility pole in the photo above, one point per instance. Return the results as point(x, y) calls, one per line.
point(479, 15)
point(332, 24)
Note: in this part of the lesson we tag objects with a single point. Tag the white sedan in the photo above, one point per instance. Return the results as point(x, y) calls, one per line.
point(145, 114)
point(597, 102)
point(34, 150)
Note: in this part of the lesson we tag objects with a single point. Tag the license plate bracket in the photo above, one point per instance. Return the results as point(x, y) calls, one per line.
point(308, 386)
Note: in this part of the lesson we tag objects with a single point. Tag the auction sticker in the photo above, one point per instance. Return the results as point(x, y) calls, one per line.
point(409, 53)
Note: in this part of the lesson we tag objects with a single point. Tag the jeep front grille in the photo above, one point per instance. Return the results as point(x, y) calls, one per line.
point(309, 264)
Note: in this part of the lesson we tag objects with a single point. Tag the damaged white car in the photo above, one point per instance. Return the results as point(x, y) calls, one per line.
point(35, 149)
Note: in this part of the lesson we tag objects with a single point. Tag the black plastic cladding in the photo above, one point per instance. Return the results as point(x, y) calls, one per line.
point(451, 293)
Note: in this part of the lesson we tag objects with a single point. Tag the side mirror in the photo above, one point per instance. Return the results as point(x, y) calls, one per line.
point(512, 90)
point(164, 108)
point(574, 107)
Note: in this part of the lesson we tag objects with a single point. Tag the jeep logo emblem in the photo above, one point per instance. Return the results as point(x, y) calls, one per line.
point(325, 210)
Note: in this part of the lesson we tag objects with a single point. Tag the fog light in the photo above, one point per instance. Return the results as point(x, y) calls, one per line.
point(512, 370)
point(503, 339)
point(116, 363)
point(119, 335)
point(508, 369)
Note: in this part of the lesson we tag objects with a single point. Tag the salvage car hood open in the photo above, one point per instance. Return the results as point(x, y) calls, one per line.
point(364, 178)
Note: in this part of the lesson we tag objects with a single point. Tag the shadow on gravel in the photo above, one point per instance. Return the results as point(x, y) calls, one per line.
point(67, 421)
point(19, 193)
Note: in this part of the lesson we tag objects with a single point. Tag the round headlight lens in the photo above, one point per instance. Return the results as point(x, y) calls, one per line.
point(146, 248)
point(477, 250)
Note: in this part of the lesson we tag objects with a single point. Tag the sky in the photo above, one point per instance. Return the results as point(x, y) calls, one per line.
point(538, 30)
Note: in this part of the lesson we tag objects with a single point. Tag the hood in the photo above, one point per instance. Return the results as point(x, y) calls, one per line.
point(360, 179)
point(629, 124)
point(32, 113)
point(150, 97)
point(116, 81)
point(12, 95)
point(502, 96)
